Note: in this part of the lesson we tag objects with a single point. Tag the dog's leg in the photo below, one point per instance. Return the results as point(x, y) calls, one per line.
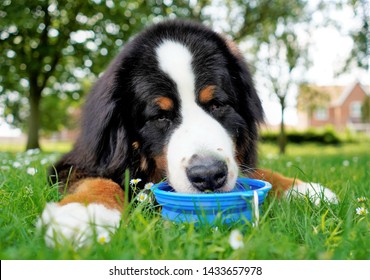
point(93, 209)
point(284, 186)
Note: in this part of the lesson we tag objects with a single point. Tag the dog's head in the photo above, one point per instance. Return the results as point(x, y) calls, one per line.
point(179, 102)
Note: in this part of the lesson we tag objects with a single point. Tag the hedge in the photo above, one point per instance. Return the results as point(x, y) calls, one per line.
point(325, 136)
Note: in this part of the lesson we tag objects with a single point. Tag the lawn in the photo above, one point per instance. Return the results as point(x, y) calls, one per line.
point(287, 230)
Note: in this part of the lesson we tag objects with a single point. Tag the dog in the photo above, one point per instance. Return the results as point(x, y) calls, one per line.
point(178, 102)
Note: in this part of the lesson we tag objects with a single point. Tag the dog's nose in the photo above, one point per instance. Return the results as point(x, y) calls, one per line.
point(206, 173)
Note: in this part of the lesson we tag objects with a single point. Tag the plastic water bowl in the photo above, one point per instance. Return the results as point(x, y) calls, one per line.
point(211, 208)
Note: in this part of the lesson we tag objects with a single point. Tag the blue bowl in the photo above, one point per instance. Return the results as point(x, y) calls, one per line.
point(205, 208)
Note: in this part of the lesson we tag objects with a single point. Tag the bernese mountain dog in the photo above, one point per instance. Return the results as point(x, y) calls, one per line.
point(179, 103)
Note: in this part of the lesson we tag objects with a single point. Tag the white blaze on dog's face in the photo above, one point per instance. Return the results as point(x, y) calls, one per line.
point(199, 140)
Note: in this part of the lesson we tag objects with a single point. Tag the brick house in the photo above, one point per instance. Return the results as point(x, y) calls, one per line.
point(338, 106)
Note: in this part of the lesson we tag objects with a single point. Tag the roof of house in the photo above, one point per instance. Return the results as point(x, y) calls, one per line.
point(338, 94)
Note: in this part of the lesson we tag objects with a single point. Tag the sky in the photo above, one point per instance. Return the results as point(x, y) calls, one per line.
point(329, 49)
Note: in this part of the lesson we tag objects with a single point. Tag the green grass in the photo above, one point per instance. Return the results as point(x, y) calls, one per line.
point(288, 230)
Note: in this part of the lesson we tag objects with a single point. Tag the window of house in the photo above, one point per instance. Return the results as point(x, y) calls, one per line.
point(321, 114)
point(355, 109)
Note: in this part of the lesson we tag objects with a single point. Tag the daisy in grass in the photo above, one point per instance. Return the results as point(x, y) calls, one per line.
point(148, 186)
point(103, 238)
point(236, 239)
point(361, 211)
point(142, 196)
point(361, 199)
point(17, 164)
point(31, 171)
point(135, 181)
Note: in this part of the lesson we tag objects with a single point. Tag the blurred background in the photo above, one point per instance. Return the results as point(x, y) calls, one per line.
point(310, 61)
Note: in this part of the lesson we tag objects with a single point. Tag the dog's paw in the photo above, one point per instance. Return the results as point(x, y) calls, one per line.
point(77, 224)
point(314, 191)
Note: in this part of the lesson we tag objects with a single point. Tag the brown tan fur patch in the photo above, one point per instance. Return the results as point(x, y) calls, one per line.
point(164, 103)
point(206, 94)
point(279, 182)
point(160, 167)
point(96, 190)
point(143, 163)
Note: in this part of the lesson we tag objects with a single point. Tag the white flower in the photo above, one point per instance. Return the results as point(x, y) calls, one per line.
point(44, 161)
point(289, 164)
point(148, 186)
point(142, 196)
point(236, 239)
point(345, 163)
point(361, 199)
point(31, 171)
point(134, 181)
point(6, 168)
point(362, 211)
point(16, 164)
point(103, 238)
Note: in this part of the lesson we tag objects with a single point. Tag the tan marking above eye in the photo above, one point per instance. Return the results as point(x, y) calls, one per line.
point(207, 94)
point(164, 103)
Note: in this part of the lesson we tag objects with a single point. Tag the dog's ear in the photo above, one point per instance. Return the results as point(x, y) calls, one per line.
point(104, 135)
point(244, 83)
point(103, 147)
point(249, 108)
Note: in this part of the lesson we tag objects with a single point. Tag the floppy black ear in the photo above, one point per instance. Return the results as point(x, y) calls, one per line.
point(103, 147)
point(249, 108)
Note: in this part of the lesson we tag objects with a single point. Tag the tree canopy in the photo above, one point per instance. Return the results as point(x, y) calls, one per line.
point(360, 54)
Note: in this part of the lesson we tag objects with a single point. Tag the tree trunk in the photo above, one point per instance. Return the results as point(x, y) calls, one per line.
point(282, 136)
point(34, 118)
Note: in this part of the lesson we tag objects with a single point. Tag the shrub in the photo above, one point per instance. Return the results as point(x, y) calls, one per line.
point(325, 136)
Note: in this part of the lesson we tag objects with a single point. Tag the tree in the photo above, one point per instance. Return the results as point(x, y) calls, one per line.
point(254, 20)
point(360, 53)
point(281, 62)
point(365, 110)
point(50, 45)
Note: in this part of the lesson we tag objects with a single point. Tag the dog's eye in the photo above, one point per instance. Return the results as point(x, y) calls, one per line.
point(162, 118)
point(162, 121)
